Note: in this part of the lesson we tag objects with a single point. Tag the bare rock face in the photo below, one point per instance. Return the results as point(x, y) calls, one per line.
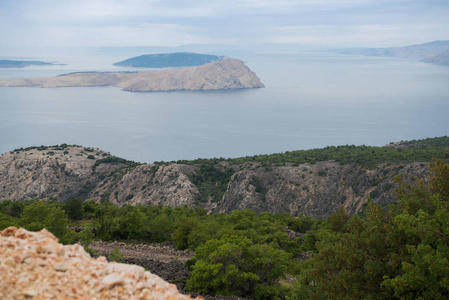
point(51, 172)
point(33, 265)
point(60, 173)
point(150, 184)
point(226, 74)
point(314, 190)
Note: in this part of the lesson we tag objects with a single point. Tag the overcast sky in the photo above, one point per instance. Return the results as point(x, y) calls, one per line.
point(28, 24)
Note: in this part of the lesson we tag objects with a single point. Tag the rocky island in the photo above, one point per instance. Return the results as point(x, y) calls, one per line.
point(169, 60)
point(225, 74)
point(22, 64)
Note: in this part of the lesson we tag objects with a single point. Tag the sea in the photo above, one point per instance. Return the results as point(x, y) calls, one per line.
point(310, 100)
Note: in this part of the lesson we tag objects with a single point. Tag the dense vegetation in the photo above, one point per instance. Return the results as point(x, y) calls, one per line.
point(367, 156)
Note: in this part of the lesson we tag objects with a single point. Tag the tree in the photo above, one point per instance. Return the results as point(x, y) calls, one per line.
point(74, 208)
point(402, 252)
point(38, 215)
point(134, 225)
point(234, 265)
point(337, 221)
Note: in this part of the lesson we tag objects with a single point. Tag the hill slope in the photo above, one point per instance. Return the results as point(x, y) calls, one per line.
point(313, 182)
point(164, 60)
point(441, 58)
point(226, 74)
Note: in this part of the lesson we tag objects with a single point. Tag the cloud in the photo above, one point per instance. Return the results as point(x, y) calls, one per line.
point(176, 22)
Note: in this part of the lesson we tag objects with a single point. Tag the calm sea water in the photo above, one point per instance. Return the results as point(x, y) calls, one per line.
point(310, 101)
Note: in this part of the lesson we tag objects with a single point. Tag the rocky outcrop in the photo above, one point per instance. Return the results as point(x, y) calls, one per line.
point(33, 265)
point(226, 74)
point(149, 184)
point(314, 190)
point(60, 173)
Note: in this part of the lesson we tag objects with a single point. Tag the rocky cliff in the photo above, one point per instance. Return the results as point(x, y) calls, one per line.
point(226, 74)
point(63, 172)
point(315, 190)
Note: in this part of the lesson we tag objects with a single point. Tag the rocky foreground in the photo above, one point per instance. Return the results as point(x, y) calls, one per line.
point(226, 74)
point(33, 265)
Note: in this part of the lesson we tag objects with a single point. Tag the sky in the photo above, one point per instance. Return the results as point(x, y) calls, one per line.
point(29, 25)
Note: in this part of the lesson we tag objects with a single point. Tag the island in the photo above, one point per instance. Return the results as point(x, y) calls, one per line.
point(169, 60)
point(22, 63)
point(220, 75)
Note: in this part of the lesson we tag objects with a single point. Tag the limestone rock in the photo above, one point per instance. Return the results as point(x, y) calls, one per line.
point(73, 275)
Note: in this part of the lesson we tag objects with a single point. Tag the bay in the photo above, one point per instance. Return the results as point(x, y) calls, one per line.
point(311, 100)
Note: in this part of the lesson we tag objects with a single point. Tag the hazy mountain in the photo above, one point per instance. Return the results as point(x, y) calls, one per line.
point(420, 51)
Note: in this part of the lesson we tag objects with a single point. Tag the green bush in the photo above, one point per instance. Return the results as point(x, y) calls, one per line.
point(116, 255)
point(233, 265)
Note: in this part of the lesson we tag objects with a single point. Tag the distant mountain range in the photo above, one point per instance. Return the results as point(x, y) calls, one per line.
point(165, 60)
point(22, 64)
point(433, 52)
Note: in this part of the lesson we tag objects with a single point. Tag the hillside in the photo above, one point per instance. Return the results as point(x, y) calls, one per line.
point(227, 74)
point(165, 60)
point(313, 182)
point(420, 51)
point(22, 63)
point(441, 58)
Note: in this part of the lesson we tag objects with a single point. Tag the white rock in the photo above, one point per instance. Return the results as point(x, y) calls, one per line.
point(61, 266)
point(112, 280)
point(136, 271)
